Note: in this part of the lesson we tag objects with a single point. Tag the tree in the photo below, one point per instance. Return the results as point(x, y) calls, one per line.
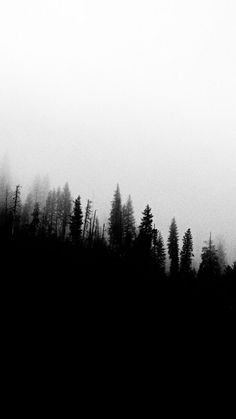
point(209, 267)
point(40, 189)
point(173, 248)
point(27, 210)
point(158, 251)
point(159, 254)
point(66, 209)
point(5, 181)
point(145, 231)
point(76, 222)
point(50, 213)
point(34, 225)
point(221, 256)
point(87, 219)
point(129, 229)
point(186, 254)
point(16, 209)
point(116, 222)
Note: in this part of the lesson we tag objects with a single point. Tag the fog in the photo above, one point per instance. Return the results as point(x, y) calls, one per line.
point(142, 93)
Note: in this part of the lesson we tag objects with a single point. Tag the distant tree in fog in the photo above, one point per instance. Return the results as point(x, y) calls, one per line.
point(87, 219)
point(40, 189)
point(221, 253)
point(116, 222)
point(210, 266)
point(16, 209)
point(34, 225)
point(27, 210)
point(5, 182)
point(51, 213)
point(173, 248)
point(66, 209)
point(129, 230)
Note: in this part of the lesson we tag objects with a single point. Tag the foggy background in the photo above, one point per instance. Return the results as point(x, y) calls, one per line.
point(137, 92)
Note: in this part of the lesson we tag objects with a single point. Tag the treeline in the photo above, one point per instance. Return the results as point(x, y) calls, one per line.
point(53, 217)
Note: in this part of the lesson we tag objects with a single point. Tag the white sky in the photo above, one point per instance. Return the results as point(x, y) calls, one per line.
point(137, 92)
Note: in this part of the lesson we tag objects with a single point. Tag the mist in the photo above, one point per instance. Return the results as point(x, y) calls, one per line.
point(137, 93)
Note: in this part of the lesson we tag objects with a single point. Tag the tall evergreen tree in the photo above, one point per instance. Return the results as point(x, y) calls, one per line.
point(16, 209)
point(87, 219)
point(34, 225)
point(51, 212)
point(186, 254)
point(76, 222)
point(210, 266)
point(173, 248)
point(27, 210)
point(221, 253)
point(159, 253)
point(66, 209)
point(128, 223)
point(116, 222)
point(146, 232)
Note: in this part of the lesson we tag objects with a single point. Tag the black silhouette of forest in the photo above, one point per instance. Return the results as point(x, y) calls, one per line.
point(54, 248)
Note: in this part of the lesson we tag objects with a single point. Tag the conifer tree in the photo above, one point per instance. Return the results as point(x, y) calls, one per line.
point(16, 209)
point(146, 231)
point(186, 253)
point(27, 210)
point(128, 223)
point(51, 212)
point(87, 219)
point(76, 222)
point(34, 225)
point(159, 253)
point(66, 209)
point(173, 248)
point(210, 266)
point(116, 222)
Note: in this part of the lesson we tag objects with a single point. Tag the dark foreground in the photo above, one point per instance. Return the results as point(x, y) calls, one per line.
point(61, 278)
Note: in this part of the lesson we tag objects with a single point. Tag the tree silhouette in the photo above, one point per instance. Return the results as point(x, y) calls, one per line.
point(76, 222)
point(128, 223)
point(16, 209)
point(159, 253)
point(173, 248)
point(66, 209)
point(34, 225)
point(210, 266)
point(116, 222)
point(145, 231)
point(186, 254)
point(87, 219)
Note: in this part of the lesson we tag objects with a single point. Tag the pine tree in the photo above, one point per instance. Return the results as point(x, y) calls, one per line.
point(210, 266)
point(173, 248)
point(159, 253)
point(129, 229)
point(87, 219)
point(221, 256)
point(186, 254)
point(16, 209)
point(146, 232)
point(34, 225)
point(116, 222)
point(66, 209)
point(76, 222)
point(51, 212)
point(27, 210)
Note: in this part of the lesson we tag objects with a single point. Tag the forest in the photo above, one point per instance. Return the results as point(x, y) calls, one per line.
point(48, 238)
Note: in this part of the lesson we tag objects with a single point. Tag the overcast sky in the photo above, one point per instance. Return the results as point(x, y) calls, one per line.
point(142, 93)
